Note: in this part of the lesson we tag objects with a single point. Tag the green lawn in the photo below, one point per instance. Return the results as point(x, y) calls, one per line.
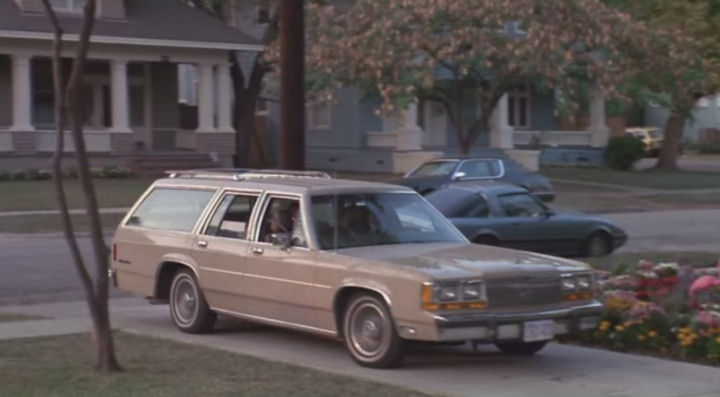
point(40, 195)
point(640, 179)
point(61, 366)
point(51, 223)
point(698, 259)
point(11, 317)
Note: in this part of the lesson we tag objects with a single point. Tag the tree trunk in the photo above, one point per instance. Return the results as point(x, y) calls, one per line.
point(292, 89)
point(670, 150)
point(68, 101)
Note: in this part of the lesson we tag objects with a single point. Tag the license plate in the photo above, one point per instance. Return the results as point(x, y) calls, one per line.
point(534, 331)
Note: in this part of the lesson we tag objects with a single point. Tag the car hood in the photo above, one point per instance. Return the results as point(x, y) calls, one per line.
point(459, 260)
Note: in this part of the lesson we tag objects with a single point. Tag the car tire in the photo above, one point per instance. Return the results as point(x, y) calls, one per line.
point(487, 239)
point(369, 333)
point(520, 348)
point(188, 308)
point(597, 244)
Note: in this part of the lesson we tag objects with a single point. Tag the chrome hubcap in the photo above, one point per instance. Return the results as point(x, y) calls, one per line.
point(185, 301)
point(367, 330)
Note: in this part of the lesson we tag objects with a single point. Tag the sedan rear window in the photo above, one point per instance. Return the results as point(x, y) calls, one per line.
point(171, 209)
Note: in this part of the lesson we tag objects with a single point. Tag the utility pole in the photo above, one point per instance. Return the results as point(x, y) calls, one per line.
point(292, 85)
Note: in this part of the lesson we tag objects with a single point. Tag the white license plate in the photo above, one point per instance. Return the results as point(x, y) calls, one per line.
point(534, 331)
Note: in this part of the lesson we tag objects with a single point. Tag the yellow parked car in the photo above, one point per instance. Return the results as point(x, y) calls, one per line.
point(652, 137)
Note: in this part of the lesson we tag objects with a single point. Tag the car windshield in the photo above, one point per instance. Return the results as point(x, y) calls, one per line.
point(435, 168)
point(366, 219)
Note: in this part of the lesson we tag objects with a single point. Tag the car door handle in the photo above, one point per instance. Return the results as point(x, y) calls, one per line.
point(258, 251)
point(202, 243)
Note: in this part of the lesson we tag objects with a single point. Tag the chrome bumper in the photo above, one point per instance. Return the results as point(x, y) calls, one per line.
point(508, 326)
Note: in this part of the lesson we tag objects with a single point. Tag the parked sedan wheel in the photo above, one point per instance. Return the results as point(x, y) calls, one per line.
point(188, 308)
point(520, 348)
point(598, 244)
point(369, 333)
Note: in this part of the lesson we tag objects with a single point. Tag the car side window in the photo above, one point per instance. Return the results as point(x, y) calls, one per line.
point(283, 216)
point(477, 208)
point(232, 216)
point(521, 205)
point(171, 209)
point(480, 169)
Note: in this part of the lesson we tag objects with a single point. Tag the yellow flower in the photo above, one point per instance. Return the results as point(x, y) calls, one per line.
point(641, 337)
point(619, 328)
point(717, 339)
point(652, 334)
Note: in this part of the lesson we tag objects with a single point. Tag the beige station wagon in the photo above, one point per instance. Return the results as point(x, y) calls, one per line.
point(373, 264)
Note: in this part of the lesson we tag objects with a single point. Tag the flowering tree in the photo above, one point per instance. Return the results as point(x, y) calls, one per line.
point(687, 41)
point(461, 52)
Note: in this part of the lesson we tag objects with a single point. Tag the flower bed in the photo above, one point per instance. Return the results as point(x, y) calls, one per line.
point(661, 309)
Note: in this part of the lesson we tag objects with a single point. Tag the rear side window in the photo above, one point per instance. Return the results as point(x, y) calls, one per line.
point(171, 209)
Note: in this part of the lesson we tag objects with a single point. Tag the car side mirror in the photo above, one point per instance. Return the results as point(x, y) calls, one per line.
point(458, 176)
point(281, 240)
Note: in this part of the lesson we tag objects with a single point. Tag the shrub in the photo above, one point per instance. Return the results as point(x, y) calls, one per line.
point(18, 175)
point(4, 175)
point(624, 151)
point(709, 148)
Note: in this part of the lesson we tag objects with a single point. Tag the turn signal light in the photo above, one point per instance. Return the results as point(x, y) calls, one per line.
point(579, 296)
point(455, 306)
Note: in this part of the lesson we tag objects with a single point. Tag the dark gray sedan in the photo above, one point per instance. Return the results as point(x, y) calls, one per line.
point(432, 175)
point(509, 216)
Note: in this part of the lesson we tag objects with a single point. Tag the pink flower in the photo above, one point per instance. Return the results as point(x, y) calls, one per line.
point(645, 265)
point(708, 318)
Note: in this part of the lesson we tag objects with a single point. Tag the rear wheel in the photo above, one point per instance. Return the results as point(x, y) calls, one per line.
point(369, 333)
point(520, 348)
point(598, 244)
point(188, 308)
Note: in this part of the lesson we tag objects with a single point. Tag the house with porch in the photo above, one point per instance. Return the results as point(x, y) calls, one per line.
point(349, 135)
point(131, 84)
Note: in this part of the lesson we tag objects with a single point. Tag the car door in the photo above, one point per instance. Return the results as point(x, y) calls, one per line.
point(472, 220)
point(524, 223)
point(282, 280)
point(221, 250)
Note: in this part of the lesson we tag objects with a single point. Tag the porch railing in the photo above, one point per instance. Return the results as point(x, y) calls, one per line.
point(552, 138)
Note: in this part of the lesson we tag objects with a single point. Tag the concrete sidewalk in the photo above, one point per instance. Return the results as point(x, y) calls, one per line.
point(559, 370)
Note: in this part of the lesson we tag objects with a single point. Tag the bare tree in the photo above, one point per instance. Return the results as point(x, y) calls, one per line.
point(68, 105)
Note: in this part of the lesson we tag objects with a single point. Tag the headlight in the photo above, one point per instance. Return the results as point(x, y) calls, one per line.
point(568, 284)
point(453, 296)
point(446, 294)
point(577, 286)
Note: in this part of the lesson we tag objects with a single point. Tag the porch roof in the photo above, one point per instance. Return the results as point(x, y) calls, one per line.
point(148, 23)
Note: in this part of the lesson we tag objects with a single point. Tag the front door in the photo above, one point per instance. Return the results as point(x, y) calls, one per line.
point(282, 281)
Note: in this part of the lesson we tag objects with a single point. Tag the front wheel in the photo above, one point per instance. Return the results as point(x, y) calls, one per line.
point(598, 244)
point(369, 333)
point(520, 348)
point(188, 308)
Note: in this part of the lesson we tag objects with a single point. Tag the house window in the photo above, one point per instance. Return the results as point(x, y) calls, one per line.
point(519, 107)
point(263, 15)
point(261, 107)
point(68, 5)
point(319, 116)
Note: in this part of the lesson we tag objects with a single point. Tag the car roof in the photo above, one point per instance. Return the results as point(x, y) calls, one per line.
point(293, 183)
point(462, 158)
point(493, 187)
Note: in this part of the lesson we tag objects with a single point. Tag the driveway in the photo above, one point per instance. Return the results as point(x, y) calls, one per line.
point(558, 370)
point(700, 163)
point(37, 267)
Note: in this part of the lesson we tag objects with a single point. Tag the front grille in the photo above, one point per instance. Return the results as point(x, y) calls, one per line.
point(523, 291)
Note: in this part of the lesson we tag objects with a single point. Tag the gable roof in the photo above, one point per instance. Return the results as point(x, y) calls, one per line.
point(148, 22)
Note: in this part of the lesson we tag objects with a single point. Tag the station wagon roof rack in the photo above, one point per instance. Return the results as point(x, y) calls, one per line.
point(238, 174)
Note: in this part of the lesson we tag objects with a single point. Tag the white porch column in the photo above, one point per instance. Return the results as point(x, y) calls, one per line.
point(501, 133)
point(206, 101)
point(21, 93)
point(409, 136)
point(120, 104)
point(224, 99)
point(598, 127)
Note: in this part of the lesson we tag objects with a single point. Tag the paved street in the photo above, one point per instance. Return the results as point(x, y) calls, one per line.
point(37, 267)
point(559, 370)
